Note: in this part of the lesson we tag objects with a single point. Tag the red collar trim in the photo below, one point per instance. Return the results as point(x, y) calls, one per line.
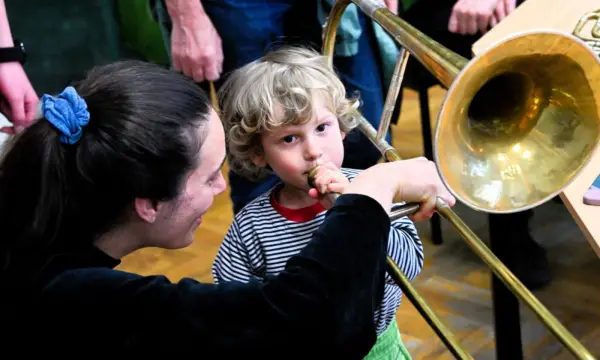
point(296, 215)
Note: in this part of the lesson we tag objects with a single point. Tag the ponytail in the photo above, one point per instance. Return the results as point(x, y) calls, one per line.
point(37, 213)
point(33, 191)
point(127, 130)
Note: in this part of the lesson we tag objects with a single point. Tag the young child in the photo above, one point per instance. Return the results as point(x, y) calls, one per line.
point(286, 113)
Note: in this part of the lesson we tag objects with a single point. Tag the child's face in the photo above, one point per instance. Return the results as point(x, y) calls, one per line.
point(293, 150)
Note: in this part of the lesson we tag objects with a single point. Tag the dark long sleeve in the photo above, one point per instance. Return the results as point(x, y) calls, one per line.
point(322, 304)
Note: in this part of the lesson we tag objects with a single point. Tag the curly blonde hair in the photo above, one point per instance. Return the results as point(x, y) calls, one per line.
point(284, 81)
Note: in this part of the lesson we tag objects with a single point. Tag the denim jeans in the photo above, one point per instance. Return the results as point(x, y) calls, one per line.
point(250, 28)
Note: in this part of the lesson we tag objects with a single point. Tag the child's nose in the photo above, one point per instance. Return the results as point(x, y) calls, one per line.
point(312, 151)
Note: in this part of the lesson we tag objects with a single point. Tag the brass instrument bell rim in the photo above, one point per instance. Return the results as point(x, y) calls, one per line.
point(457, 84)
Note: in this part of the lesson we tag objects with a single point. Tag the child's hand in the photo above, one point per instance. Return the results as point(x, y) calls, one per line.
point(329, 179)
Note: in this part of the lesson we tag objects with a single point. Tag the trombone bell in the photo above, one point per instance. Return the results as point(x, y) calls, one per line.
point(519, 122)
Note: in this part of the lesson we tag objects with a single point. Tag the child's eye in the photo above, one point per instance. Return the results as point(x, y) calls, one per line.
point(322, 127)
point(288, 139)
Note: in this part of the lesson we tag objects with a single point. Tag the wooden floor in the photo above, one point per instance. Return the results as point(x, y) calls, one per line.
point(454, 281)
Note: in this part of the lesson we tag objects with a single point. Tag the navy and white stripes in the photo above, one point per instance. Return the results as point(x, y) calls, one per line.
point(260, 241)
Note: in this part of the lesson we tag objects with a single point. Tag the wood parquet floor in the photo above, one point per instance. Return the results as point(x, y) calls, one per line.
point(454, 282)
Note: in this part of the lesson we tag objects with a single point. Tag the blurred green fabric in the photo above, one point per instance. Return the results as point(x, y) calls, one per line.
point(63, 39)
point(140, 32)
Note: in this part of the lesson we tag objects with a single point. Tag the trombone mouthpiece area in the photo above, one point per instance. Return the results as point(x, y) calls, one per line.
point(311, 176)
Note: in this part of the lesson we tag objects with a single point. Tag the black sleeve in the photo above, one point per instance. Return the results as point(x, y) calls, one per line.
point(321, 304)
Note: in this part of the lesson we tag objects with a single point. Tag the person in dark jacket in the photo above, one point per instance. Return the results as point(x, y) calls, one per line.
point(130, 157)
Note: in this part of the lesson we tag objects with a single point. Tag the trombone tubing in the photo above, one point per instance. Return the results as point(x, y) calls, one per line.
point(445, 67)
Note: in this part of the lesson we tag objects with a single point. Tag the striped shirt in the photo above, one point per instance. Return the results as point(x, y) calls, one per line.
point(263, 237)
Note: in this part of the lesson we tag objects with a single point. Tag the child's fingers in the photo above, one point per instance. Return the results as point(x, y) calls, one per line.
point(328, 166)
point(327, 175)
point(313, 193)
point(338, 176)
point(327, 180)
point(322, 180)
point(321, 186)
point(336, 188)
point(331, 180)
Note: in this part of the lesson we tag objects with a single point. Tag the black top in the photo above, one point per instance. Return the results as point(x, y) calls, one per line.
point(321, 306)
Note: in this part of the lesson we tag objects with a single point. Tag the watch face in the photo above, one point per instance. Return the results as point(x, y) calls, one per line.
point(19, 45)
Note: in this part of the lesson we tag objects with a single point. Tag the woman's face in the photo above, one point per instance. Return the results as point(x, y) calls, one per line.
point(177, 220)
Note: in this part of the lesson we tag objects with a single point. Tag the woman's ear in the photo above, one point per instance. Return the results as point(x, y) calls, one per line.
point(147, 209)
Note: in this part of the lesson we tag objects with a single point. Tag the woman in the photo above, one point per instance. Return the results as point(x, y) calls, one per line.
point(130, 158)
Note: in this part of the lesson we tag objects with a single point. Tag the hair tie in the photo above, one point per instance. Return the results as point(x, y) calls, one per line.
point(67, 112)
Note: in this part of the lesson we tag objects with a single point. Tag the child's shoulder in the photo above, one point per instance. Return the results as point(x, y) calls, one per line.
point(350, 173)
point(255, 208)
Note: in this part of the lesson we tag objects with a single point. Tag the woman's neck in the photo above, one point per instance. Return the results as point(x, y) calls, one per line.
point(292, 197)
point(119, 242)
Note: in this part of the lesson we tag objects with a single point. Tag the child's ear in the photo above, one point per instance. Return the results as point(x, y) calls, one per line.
point(343, 134)
point(258, 160)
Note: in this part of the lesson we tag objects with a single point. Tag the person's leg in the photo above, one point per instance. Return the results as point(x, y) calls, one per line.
point(362, 74)
point(248, 29)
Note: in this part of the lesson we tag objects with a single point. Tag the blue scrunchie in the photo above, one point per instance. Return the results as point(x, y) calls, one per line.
point(67, 112)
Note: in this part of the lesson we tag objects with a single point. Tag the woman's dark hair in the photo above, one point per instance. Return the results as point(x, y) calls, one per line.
point(140, 142)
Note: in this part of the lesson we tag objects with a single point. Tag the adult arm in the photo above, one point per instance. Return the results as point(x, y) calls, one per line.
point(478, 16)
point(19, 99)
point(323, 302)
point(196, 46)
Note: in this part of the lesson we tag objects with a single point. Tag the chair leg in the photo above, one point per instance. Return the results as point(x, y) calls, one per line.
point(435, 221)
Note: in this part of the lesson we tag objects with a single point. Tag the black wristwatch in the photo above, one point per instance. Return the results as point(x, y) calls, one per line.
point(15, 53)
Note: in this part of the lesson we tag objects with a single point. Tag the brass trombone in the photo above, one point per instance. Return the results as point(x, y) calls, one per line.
point(518, 124)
